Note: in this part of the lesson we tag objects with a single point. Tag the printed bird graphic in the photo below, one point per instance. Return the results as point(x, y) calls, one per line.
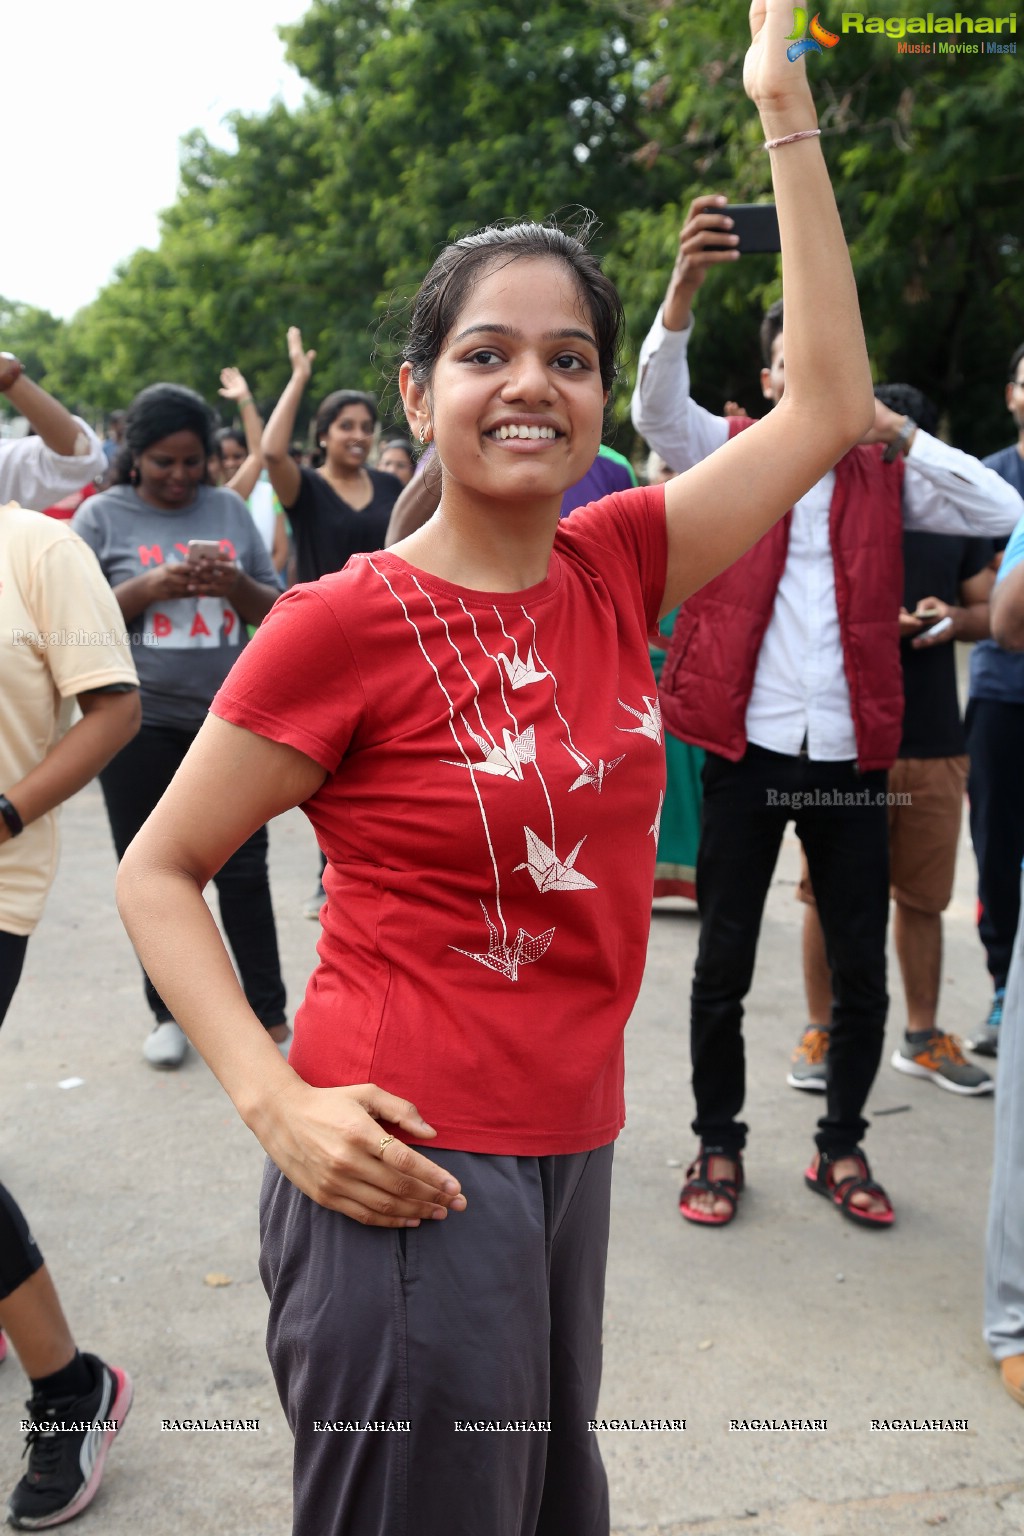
point(519, 672)
point(505, 763)
point(595, 776)
point(507, 958)
point(650, 719)
point(550, 873)
point(655, 830)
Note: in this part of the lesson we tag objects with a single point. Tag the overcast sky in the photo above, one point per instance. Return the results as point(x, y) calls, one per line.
point(94, 101)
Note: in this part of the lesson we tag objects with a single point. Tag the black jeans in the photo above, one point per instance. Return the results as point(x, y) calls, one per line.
point(995, 740)
point(132, 784)
point(745, 811)
point(12, 958)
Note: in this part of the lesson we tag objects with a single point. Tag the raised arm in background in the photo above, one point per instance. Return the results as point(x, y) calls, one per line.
point(233, 387)
point(277, 434)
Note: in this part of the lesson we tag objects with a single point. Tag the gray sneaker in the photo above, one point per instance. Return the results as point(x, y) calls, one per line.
point(311, 908)
point(985, 1040)
point(807, 1063)
point(939, 1057)
point(165, 1046)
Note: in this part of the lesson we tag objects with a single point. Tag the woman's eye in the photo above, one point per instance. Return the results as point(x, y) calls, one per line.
point(566, 362)
point(484, 356)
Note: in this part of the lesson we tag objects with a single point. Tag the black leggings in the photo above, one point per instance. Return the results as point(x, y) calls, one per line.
point(132, 784)
point(19, 1255)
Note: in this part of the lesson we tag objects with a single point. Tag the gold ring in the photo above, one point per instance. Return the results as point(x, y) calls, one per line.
point(385, 1142)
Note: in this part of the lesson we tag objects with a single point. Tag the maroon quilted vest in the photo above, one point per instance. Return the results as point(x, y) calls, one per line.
point(712, 657)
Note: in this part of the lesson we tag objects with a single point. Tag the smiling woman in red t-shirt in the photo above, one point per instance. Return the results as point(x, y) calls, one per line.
point(470, 722)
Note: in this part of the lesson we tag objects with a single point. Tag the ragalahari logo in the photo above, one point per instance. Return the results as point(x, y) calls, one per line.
point(819, 37)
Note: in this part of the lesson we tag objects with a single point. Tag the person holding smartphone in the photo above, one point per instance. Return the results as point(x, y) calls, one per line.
point(189, 571)
point(787, 671)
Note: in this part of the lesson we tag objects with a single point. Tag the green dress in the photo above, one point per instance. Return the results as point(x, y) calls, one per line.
point(674, 873)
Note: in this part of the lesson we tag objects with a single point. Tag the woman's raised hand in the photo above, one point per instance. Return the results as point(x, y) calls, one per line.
point(771, 81)
point(233, 385)
point(301, 360)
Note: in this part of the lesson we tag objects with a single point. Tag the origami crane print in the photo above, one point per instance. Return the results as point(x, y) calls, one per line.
point(650, 720)
point(655, 829)
point(520, 673)
point(550, 873)
point(507, 958)
point(595, 776)
point(505, 761)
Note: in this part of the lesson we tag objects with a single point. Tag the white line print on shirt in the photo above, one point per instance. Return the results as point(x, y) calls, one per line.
point(650, 720)
point(507, 958)
point(655, 829)
point(591, 775)
point(505, 763)
point(550, 873)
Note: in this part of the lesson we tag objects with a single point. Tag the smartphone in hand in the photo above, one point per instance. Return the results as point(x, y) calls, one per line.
point(203, 549)
point(757, 225)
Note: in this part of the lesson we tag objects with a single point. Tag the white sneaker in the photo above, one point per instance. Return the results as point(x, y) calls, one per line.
point(165, 1045)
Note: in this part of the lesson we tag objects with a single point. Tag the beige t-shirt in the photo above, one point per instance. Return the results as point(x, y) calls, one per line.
point(61, 634)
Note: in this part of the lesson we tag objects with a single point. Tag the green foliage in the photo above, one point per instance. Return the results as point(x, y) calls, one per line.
point(426, 118)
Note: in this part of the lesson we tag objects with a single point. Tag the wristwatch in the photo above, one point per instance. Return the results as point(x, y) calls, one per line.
point(900, 441)
point(11, 371)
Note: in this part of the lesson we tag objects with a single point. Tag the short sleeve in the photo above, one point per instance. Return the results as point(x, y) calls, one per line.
point(977, 555)
point(1014, 552)
point(296, 681)
point(74, 606)
point(631, 525)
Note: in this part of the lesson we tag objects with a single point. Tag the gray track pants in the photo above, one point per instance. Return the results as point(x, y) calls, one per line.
point(1004, 1247)
point(490, 1316)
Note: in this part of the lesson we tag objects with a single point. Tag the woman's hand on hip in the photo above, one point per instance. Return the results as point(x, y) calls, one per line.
point(331, 1144)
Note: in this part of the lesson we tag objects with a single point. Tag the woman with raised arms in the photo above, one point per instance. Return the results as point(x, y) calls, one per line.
point(469, 722)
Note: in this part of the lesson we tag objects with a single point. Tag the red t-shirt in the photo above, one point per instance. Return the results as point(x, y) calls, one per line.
point(495, 777)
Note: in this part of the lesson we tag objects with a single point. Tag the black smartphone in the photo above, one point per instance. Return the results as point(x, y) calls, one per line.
point(757, 225)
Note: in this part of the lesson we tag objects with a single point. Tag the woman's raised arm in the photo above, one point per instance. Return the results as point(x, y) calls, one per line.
point(277, 434)
point(723, 505)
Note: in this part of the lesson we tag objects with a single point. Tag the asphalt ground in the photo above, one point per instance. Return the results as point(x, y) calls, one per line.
point(141, 1188)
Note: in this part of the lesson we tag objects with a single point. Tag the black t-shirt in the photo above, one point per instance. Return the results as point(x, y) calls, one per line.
point(327, 530)
point(934, 565)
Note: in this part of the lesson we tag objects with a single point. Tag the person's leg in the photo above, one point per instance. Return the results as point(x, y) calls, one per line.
point(575, 1497)
point(243, 886)
point(742, 822)
point(817, 976)
point(440, 1328)
point(132, 783)
point(65, 1465)
point(847, 848)
point(1004, 1246)
point(12, 959)
point(996, 747)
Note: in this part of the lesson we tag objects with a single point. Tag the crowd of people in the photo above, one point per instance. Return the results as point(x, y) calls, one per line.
point(443, 655)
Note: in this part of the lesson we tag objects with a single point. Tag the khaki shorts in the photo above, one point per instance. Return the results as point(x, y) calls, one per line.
point(923, 835)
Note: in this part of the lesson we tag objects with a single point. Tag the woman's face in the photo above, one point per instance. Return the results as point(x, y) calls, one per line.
point(171, 469)
point(396, 461)
point(232, 457)
point(348, 439)
point(516, 402)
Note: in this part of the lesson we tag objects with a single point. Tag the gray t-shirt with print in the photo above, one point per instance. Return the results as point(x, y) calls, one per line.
point(184, 647)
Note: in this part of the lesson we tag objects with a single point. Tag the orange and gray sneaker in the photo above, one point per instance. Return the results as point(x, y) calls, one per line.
point(807, 1063)
point(930, 1053)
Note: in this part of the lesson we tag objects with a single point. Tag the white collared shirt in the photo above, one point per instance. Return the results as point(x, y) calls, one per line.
point(800, 688)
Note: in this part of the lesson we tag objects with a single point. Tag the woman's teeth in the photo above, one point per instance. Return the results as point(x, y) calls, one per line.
point(548, 433)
